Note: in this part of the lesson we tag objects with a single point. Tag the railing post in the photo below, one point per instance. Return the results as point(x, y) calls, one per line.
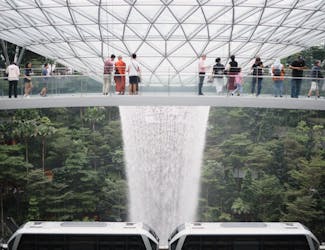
point(168, 81)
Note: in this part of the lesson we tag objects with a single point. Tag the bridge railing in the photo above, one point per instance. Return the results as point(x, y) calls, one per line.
point(164, 84)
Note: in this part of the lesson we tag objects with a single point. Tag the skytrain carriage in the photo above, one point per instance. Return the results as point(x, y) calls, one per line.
point(242, 236)
point(83, 236)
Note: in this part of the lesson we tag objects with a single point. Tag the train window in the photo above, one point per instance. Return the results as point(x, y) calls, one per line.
point(80, 242)
point(248, 244)
point(153, 245)
point(174, 245)
point(11, 244)
point(281, 242)
point(43, 242)
point(316, 245)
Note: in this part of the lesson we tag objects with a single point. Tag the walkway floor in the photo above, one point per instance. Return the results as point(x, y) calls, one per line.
point(152, 99)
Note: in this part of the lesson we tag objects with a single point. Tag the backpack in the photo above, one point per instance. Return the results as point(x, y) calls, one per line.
point(277, 72)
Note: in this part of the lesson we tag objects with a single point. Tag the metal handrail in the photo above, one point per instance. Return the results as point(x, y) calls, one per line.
point(60, 70)
point(168, 84)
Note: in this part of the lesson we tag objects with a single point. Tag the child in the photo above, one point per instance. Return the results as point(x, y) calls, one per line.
point(238, 83)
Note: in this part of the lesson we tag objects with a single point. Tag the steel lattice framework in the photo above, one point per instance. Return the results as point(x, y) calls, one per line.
point(167, 35)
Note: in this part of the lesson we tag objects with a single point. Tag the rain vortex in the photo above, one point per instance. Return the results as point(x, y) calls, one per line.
point(163, 149)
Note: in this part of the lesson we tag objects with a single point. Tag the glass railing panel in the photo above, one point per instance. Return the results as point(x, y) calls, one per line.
point(160, 84)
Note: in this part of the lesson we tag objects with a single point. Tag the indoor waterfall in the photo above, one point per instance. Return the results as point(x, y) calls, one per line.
point(163, 149)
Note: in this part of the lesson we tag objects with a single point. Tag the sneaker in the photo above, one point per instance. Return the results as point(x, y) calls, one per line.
point(238, 94)
point(27, 96)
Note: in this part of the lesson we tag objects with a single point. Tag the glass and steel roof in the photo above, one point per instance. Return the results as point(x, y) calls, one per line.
point(167, 35)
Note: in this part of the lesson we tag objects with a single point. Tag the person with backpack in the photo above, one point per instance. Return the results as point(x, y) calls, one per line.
point(277, 70)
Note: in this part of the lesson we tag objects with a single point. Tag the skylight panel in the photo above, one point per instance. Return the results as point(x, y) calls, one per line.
point(150, 12)
point(182, 12)
point(136, 17)
point(179, 29)
point(147, 50)
point(25, 4)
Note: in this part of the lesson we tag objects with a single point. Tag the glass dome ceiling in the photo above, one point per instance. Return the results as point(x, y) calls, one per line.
point(167, 35)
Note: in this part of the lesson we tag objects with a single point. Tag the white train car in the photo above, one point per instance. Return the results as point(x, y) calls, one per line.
point(242, 236)
point(83, 236)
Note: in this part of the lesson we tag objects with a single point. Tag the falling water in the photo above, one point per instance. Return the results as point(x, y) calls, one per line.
point(163, 149)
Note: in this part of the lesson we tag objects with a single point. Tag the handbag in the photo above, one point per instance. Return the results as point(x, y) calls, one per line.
point(211, 78)
point(117, 74)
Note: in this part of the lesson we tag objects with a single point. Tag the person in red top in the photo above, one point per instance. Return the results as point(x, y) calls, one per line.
point(120, 76)
point(108, 71)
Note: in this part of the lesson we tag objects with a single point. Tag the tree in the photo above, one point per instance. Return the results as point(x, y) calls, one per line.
point(94, 115)
point(112, 206)
point(44, 129)
point(80, 193)
point(25, 127)
point(12, 179)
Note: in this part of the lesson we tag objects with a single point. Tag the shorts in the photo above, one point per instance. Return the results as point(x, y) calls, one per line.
point(313, 86)
point(133, 79)
point(27, 80)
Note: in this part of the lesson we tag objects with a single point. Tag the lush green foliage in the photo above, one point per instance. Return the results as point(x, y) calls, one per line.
point(265, 165)
point(62, 164)
point(259, 165)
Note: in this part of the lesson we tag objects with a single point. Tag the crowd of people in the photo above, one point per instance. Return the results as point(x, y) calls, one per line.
point(235, 79)
point(114, 74)
point(119, 71)
point(13, 74)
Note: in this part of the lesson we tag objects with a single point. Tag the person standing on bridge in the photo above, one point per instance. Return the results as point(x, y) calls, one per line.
point(316, 75)
point(46, 75)
point(277, 70)
point(13, 78)
point(238, 83)
point(108, 71)
point(297, 67)
point(134, 72)
point(28, 72)
point(119, 76)
point(257, 69)
point(218, 72)
point(202, 71)
point(232, 71)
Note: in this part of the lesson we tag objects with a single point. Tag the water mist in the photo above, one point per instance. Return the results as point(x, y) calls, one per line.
point(163, 149)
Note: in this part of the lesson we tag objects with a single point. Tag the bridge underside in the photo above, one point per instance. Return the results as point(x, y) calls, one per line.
point(156, 100)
